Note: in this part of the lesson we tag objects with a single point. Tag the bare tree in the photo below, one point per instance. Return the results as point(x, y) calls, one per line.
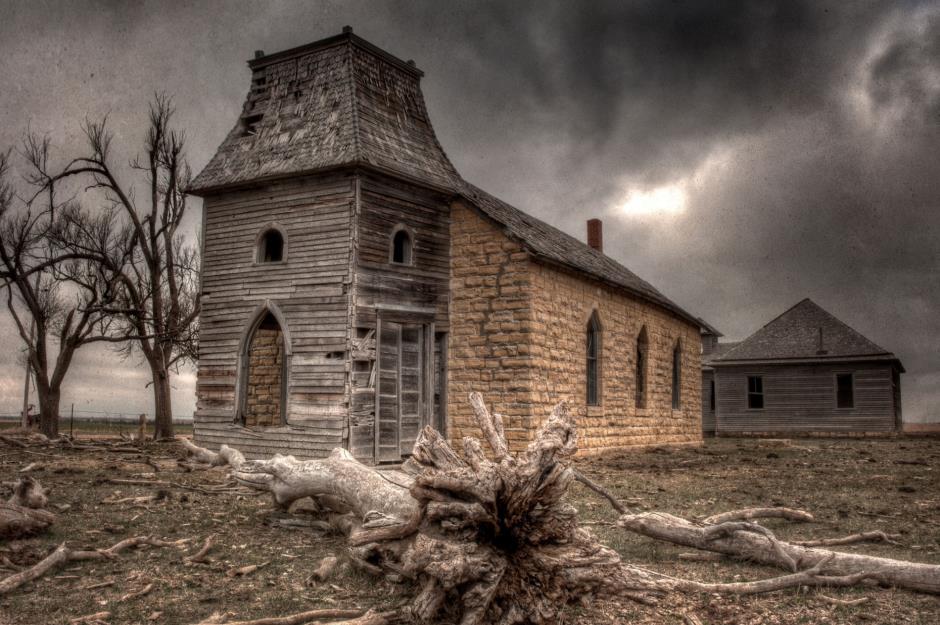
point(52, 298)
point(140, 247)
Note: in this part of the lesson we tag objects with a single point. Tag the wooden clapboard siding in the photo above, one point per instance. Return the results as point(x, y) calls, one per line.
point(802, 398)
point(708, 413)
point(385, 203)
point(310, 290)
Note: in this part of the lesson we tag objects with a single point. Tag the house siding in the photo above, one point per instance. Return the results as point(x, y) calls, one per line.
point(802, 398)
point(708, 414)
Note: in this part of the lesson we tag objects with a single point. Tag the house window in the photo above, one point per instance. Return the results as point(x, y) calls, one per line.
point(676, 376)
point(401, 247)
point(711, 397)
point(642, 346)
point(845, 390)
point(593, 360)
point(271, 247)
point(755, 392)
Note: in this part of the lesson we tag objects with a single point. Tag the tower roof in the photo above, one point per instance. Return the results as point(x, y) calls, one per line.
point(340, 101)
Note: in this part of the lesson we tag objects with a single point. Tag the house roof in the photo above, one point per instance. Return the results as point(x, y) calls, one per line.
point(336, 102)
point(341, 102)
point(551, 244)
point(720, 350)
point(805, 332)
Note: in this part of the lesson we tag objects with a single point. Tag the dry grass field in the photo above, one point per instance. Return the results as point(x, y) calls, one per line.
point(850, 485)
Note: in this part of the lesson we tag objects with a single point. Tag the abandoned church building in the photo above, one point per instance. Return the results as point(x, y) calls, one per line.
point(803, 372)
point(356, 288)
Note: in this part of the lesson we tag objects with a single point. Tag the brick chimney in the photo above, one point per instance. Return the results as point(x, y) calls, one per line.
point(595, 234)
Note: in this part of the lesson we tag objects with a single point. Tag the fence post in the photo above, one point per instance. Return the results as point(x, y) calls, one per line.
point(141, 429)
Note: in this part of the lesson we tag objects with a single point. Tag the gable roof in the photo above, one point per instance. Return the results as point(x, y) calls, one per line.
point(720, 350)
point(336, 102)
point(805, 332)
point(555, 246)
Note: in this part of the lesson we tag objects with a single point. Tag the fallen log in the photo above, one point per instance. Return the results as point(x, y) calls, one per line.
point(759, 548)
point(22, 514)
point(19, 521)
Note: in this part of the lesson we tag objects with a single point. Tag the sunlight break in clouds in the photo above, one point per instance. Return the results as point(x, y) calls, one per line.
point(666, 200)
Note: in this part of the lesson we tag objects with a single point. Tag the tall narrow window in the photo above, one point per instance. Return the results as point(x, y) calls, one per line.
point(642, 345)
point(755, 392)
point(845, 391)
point(271, 247)
point(593, 361)
point(711, 400)
point(677, 376)
point(401, 247)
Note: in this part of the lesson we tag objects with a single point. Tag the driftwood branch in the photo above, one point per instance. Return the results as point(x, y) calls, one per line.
point(760, 513)
point(311, 616)
point(746, 544)
point(63, 555)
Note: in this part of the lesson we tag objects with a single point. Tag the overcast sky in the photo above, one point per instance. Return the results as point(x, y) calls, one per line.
point(743, 155)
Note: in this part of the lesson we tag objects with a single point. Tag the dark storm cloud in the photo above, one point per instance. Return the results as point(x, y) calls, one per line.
point(804, 133)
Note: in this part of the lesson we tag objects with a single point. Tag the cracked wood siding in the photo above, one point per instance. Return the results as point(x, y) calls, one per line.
point(309, 288)
point(385, 203)
point(802, 398)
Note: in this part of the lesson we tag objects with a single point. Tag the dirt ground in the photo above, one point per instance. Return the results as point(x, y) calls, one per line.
point(850, 485)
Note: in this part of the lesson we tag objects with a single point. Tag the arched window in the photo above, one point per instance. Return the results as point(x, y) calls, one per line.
point(593, 360)
point(264, 364)
point(401, 246)
point(642, 349)
point(271, 246)
point(677, 375)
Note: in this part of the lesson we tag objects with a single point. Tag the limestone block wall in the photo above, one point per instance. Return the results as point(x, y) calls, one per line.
point(491, 326)
point(518, 336)
point(265, 369)
point(562, 305)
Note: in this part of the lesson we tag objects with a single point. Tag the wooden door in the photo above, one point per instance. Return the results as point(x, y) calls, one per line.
point(402, 383)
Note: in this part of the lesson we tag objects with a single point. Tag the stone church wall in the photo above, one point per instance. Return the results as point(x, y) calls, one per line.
point(518, 336)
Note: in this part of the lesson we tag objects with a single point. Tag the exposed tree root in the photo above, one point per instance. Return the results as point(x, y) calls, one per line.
point(491, 539)
point(63, 555)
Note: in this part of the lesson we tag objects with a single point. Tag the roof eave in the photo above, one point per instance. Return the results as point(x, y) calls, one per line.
point(351, 165)
point(737, 362)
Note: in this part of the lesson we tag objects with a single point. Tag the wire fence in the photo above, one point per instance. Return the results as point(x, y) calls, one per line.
point(103, 416)
point(99, 421)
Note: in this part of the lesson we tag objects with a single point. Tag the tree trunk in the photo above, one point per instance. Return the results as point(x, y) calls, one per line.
point(48, 409)
point(162, 406)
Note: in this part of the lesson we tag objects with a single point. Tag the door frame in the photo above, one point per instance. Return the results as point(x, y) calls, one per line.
point(405, 315)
